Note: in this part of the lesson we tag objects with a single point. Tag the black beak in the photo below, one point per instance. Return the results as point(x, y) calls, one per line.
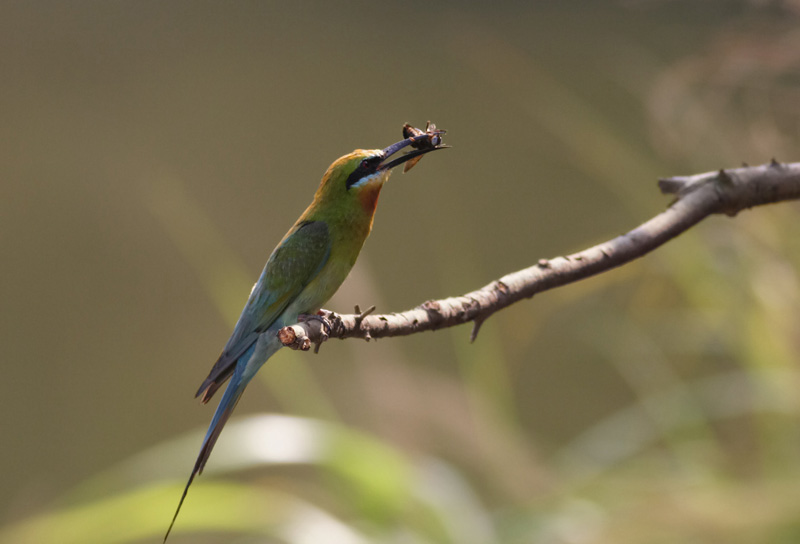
point(422, 143)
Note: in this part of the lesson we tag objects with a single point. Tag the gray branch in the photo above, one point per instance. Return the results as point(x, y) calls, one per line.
point(696, 197)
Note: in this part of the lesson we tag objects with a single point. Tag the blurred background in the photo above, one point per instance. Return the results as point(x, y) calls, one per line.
point(154, 153)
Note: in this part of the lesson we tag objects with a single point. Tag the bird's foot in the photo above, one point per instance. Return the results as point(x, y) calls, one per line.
point(326, 319)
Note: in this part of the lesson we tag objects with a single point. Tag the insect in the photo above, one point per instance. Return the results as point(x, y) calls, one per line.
point(433, 140)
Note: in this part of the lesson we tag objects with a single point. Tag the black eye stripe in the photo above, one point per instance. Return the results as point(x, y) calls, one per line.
point(365, 168)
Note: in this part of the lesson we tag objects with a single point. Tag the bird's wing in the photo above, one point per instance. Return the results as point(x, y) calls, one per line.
point(292, 265)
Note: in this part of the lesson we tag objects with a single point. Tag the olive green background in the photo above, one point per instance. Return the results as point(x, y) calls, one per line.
point(152, 154)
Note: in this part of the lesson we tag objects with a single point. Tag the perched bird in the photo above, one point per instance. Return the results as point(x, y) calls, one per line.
point(302, 273)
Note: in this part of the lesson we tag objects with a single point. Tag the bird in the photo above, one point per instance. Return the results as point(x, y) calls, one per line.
point(303, 271)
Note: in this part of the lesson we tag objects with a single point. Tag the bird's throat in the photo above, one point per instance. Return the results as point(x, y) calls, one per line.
point(368, 196)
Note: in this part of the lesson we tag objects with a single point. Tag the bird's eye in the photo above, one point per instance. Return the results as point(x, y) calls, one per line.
point(365, 164)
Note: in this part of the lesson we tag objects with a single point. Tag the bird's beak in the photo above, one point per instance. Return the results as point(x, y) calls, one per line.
point(422, 143)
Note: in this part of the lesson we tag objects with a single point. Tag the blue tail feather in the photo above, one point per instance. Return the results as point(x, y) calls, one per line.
point(229, 400)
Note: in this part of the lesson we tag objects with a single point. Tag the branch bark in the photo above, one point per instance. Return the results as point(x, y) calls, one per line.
point(696, 197)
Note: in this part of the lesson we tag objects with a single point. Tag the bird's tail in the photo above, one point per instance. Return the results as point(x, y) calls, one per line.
point(229, 400)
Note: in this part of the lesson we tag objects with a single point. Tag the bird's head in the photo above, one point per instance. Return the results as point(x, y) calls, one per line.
point(359, 176)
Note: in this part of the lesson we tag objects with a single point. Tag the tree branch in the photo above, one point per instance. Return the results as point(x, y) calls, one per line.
point(697, 197)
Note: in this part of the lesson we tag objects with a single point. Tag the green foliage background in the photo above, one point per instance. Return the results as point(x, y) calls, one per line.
point(153, 154)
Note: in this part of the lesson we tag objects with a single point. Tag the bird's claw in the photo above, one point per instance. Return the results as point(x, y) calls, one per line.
point(324, 317)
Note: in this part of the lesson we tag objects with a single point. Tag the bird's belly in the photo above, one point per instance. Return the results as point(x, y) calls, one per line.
point(320, 289)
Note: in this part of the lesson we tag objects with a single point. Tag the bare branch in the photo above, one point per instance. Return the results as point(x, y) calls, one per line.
point(698, 196)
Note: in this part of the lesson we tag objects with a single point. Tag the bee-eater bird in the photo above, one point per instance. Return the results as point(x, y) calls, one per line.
point(302, 273)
